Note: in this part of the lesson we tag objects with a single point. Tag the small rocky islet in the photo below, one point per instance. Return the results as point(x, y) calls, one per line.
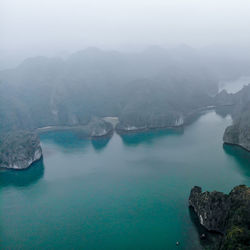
point(227, 214)
point(19, 149)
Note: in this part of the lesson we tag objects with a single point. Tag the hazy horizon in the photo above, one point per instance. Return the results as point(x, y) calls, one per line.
point(58, 28)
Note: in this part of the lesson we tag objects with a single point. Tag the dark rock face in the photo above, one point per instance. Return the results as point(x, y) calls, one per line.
point(19, 149)
point(227, 214)
point(211, 208)
point(231, 135)
point(239, 132)
point(239, 103)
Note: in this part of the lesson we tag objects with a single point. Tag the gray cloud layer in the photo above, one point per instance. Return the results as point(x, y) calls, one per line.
point(42, 26)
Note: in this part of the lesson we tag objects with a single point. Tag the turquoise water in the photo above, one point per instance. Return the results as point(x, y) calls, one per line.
point(128, 192)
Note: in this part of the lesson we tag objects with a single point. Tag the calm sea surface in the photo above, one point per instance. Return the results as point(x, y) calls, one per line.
point(128, 192)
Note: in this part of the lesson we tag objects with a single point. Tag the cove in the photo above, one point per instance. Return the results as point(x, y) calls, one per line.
point(127, 192)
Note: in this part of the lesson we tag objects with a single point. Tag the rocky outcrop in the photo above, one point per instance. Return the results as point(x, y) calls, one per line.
point(239, 132)
point(97, 127)
point(211, 208)
point(19, 149)
point(239, 109)
point(226, 214)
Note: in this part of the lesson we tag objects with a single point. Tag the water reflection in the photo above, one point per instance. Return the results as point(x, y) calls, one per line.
point(147, 137)
point(241, 157)
point(20, 178)
point(67, 141)
point(100, 143)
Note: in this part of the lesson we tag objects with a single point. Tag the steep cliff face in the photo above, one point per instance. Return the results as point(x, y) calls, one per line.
point(227, 214)
point(239, 108)
point(19, 149)
point(239, 132)
point(211, 208)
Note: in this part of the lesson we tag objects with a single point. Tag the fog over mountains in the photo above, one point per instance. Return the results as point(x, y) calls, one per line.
point(58, 28)
point(154, 88)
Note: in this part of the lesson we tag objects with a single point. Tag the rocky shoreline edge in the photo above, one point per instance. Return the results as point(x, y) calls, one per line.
point(226, 214)
point(19, 150)
point(237, 145)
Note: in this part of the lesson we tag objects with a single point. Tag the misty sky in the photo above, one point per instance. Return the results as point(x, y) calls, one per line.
point(58, 25)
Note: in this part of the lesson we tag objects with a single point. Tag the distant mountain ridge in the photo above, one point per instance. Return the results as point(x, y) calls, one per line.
point(156, 88)
point(51, 91)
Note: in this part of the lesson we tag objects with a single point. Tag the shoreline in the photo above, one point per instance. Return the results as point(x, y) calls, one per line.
point(74, 129)
point(237, 145)
point(78, 128)
point(22, 169)
point(189, 118)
